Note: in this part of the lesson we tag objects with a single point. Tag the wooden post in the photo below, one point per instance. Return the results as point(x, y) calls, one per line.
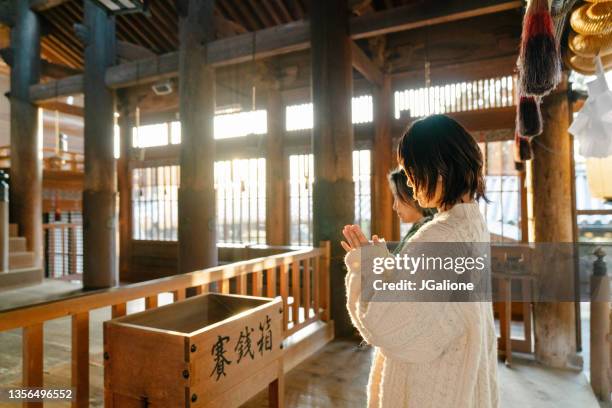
point(100, 269)
point(383, 161)
point(600, 328)
point(196, 206)
point(26, 139)
point(4, 223)
point(32, 345)
point(277, 196)
point(555, 336)
point(80, 359)
point(124, 182)
point(333, 190)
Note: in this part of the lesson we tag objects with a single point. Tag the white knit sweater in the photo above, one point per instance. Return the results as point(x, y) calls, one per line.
point(427, 354)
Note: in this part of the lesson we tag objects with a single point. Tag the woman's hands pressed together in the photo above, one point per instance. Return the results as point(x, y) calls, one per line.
point(355, 238)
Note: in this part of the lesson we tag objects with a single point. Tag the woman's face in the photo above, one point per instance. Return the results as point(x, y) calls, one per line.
point(406, 213)
point(421, 196)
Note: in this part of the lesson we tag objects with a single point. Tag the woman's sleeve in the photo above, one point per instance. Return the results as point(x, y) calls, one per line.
point(407, 331)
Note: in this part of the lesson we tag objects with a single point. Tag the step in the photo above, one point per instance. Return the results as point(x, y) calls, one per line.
point(21, 260)
point(17, 244)
point(16, 278)
point(13, 230)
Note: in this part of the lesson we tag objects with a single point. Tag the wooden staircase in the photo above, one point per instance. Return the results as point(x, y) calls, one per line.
point(23, 270)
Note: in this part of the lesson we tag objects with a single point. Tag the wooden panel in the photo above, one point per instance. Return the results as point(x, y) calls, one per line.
point(119, 310)
point(324, 282)
point(80, 359)
point(256, 281)
point(241, 285)
point(151, 302)
point(271, 282)
point(128, 361)
point(32, 344)
point(295, 292)
point(284, 292)
point(307, 301)
point(178, 295)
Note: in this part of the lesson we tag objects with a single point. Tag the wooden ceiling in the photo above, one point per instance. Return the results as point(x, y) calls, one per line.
point(158, 31)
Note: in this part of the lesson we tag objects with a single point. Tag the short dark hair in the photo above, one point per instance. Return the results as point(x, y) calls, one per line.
point(403, 192)
point(439, 146)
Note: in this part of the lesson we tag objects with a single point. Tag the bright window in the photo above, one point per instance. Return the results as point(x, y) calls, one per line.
point(301, 178)
point(240, 185)
point(457, 97)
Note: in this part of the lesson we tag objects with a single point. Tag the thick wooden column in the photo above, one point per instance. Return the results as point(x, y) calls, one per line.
point(333, 192)
point(277, 174)
point(100, 267)
point(26, 141)
point(383, 161)
point(196, 206)
point(555, 340)
point(124, 182)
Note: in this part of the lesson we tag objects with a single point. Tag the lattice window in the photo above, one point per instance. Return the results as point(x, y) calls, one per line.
point(457, 97)
point(300, 117)
point(301, 177)
point(502, 189)
point(240, 185)
point(155, 203)
point(63, 244)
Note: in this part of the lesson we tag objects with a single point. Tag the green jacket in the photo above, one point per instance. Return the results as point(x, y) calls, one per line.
point(415, 227)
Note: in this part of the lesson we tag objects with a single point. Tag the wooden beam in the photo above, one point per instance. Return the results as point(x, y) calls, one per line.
point(196, 195)
point(295, 36)
point(53, 70)
point(63, 108)
point(72, 85)
point(26, 163)
point(332, 140)
point(383, 161)
point(424, 14)
point(277, 169)
point(100, 269)
point(555, 335)
point(42, 5)
point(365, 66)
point(130, 51)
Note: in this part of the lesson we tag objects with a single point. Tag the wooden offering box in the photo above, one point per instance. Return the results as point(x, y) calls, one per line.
point(207, 351)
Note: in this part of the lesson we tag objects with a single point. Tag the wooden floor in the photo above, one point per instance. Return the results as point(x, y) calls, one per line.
point(336, 376)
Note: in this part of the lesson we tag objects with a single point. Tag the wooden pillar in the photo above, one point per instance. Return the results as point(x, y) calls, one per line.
point(124, 183)
point(26, 140)
point(100, 269)
point(333, 191)
point(383, 161)
point(277, 175)
point(555, 340)
point(196, 206)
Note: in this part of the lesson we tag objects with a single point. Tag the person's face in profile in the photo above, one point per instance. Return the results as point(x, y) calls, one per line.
point(421, 195)
point(407, 213)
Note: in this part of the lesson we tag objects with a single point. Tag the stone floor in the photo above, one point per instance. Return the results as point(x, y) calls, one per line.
point(334, 377)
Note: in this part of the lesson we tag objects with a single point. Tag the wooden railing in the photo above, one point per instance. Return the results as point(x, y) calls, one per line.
point(61, 243)
point(300, 277)
point(52, 159)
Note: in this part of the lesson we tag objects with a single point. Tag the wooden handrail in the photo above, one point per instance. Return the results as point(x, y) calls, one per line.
point(32, 317)
point(32, 314)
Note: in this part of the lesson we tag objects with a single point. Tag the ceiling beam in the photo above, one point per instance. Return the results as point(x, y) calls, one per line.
point(63, 108)
point(131, 52)
point(292, 37)
point(42, 5)
point(423, 14)
point(53, 70)
point(365, 66)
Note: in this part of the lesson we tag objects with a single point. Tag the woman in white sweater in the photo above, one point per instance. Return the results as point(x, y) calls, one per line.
point(429, 354)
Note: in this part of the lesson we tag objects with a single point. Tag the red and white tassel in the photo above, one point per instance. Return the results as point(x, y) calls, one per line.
point(539, 62)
